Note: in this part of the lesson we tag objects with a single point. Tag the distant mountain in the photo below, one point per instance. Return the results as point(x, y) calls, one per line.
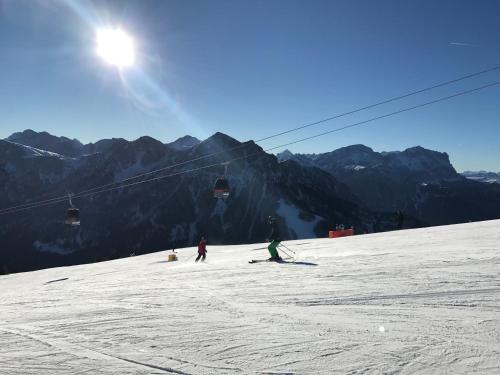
point(48, 142)
point(184, 143)
point(423, 164)
point(73, 147)
point(483, 176)
point(419, 182)
point(166, 213)
point(102, 145)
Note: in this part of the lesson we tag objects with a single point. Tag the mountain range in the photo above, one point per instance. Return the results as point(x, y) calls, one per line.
point(419, 182)
point(483, 176)
point(309, 194)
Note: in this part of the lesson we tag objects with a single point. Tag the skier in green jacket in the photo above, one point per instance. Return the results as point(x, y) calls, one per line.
point(275, 239)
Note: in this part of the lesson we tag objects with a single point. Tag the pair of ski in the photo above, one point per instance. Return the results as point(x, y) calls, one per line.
point(282, 248)
point(288, 260)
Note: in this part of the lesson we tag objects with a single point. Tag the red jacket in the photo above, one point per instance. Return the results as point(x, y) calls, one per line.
point(202, 247)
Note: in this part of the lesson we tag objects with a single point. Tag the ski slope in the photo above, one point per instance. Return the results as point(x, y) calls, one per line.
point(423, 301)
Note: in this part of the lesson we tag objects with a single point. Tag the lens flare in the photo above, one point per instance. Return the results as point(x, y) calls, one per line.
point(115, 47)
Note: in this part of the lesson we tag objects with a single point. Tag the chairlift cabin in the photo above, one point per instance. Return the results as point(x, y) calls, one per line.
point(73, 216)
point(221, 188)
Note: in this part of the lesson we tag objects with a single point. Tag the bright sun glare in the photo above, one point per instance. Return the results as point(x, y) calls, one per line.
point(115, 47)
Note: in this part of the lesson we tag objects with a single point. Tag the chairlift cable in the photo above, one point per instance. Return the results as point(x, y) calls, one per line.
point(103, 189)
point(412, 93)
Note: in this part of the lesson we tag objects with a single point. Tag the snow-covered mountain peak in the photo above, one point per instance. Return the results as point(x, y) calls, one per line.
point(184, 143)
point(221, 139)
point(46, 141)
point(356, 148)
point(147, 144)
point(350, 155)
point(284, 155)
point(32, 152)
point(216, 143)
point(419, 159)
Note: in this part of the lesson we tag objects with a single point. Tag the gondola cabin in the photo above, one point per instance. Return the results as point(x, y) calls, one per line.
point(221, 188)
point(73, 216)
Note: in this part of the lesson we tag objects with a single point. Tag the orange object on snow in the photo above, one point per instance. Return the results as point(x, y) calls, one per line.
point(340, 233)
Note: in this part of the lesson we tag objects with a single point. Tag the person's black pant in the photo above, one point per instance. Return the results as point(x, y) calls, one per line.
point(204, 255)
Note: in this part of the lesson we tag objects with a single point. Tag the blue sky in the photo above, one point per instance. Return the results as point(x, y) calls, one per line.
point(254, 68)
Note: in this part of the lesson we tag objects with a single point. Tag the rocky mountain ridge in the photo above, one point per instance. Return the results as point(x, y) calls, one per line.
point(418, 182)
point(74, 148)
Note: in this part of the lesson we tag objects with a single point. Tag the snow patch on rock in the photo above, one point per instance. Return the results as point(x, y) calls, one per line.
point(32, 152)
point(220, 208)
point(354, 167)
point(301, 228)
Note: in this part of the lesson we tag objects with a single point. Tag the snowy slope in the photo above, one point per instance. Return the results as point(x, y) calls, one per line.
point(421, 301)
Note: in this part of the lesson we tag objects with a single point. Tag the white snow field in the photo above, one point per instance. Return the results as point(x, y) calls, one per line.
point(423, 301)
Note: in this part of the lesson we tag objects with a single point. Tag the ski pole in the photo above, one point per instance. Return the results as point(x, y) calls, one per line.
point(286, 247)
point(285, 252)
point(288, 255)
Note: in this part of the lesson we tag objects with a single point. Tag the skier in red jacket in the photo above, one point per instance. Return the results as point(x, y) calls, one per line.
point(202, 249)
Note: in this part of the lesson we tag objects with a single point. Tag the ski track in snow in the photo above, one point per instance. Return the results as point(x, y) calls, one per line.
point(423, 301)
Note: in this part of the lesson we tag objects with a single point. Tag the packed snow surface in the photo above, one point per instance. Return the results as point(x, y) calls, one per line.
point(421, 301)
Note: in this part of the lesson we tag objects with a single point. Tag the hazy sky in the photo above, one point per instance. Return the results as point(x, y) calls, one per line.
point(254, 68)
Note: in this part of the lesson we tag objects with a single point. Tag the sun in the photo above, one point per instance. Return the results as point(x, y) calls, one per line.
point(115, 47)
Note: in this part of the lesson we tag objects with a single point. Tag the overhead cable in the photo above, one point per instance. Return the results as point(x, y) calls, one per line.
point(86, 194)
point(386, 101)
